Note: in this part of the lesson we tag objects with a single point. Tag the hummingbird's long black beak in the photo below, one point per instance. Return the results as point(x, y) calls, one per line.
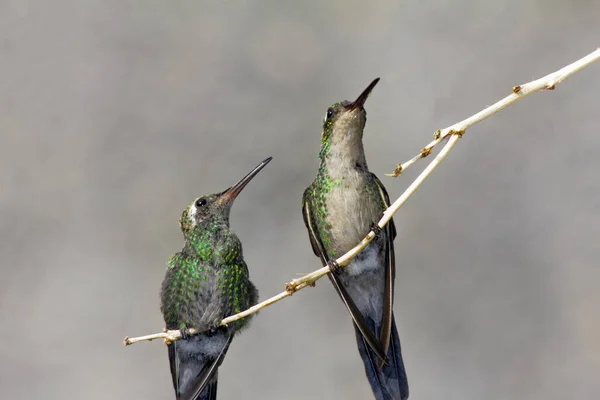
point(230, 194)
point(360, 101)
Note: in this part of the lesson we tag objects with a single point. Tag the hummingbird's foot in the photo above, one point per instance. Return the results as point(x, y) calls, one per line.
point(212, 331)
point(334, 267)
point(376, 228)
point(185, 333)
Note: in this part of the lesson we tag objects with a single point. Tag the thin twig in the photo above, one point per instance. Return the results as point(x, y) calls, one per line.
point(548, 82)
point(455, 132)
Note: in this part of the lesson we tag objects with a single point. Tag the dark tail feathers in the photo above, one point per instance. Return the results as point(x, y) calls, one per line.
point(194, 364)
point(210, 391)
point(388, 382)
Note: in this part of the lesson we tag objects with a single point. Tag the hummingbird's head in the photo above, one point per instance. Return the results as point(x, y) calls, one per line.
point(346, 120)
point(215, 207)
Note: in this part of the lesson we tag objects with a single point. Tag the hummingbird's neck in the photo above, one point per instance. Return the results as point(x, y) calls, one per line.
point(200, 241)
point(340, 155)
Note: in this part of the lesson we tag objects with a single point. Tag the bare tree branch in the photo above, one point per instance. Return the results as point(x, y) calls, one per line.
point(454, 133)
point(548, 82)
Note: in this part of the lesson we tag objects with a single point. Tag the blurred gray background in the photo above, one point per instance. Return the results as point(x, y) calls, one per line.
point(114, 115)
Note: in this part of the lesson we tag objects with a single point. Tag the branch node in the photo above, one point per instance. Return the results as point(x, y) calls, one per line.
point(516, 89)
point(550, 86)
point(126, 341)
point(290, 287)
point(437, 134)
point(459, 132)
point(425, 151)
point(397, 171)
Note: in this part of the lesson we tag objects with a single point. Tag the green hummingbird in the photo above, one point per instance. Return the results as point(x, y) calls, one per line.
point(341, 205)
point(205, 282)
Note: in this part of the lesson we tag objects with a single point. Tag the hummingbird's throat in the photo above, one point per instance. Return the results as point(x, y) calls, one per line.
point(347, 148)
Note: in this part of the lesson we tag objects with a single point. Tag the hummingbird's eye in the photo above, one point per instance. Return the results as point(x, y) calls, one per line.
point(329, 113)
point(200, 203)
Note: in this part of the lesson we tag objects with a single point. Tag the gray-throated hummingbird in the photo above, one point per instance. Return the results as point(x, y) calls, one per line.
point(340, 207)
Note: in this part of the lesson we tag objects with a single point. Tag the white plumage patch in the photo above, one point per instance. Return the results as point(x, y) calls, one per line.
point(366, 261)
point(192, 214)
point(365, 275)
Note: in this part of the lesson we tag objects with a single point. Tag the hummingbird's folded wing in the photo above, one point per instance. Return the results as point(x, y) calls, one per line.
point(357, 317)
point(390, 272)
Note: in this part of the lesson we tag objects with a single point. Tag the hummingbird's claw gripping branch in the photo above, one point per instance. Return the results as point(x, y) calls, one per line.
point(185, 333)
point(453, 133)
point(375, 228)
point(334, 267)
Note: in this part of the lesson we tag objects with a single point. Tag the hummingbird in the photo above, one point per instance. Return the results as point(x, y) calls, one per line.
point(205, 282)
point(341, 205)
